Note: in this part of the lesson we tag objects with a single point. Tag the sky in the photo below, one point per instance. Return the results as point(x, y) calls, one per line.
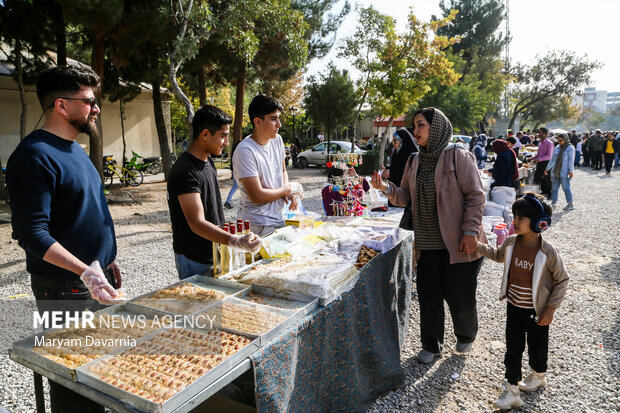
point(586, 27)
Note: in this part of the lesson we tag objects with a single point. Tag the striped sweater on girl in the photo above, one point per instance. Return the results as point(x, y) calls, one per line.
point(520, 275)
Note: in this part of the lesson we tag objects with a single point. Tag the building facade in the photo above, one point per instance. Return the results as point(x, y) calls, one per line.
point(139, 122)
point(600, 100)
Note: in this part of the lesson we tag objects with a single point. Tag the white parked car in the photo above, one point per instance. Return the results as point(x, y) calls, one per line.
point(318, 154)
point(465, 138)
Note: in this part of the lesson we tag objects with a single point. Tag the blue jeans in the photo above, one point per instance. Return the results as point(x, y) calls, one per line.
point(617, 160)
point(232, 191)
point(186, 267)
point(577, 158)
point(555, 188)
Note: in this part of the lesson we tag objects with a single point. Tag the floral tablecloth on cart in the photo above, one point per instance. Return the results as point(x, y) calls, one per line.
point(342, 356)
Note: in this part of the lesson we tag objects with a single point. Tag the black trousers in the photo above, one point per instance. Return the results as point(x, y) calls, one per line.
point(521, 323)
point(438, 280)
point(609, 161)
point(66, 295)
point(596, 159)
point(586, 158)
point(541, 179)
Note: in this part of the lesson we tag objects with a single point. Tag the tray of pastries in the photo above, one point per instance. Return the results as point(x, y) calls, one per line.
point(251, 319)
point(365, 255)
point(64, 350)
point(190, 295)
point(167, 368)
point(324, 275)
point(286, 300)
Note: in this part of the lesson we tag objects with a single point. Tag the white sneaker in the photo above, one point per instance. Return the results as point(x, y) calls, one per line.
point(533, 381)
point(509, 398)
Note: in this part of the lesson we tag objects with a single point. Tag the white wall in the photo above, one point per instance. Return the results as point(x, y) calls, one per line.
point(140, 131)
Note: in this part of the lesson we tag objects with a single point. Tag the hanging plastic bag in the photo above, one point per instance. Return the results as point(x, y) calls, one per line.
point(288, 213)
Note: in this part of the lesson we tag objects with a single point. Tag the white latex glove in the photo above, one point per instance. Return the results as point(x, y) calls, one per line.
point(248, 242)
point(297, 189)
point(99, 287)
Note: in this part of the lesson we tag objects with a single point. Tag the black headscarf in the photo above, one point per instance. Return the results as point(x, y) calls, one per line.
point(399, 160)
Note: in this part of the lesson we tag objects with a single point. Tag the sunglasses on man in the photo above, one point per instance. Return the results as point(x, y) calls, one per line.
point(91, 101)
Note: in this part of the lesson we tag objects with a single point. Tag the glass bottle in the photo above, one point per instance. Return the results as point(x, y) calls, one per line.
point(224, 254)
point(249, 257)
point(240, 254)
point(216, 258)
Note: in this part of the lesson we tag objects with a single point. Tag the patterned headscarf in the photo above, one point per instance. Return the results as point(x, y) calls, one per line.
point(425, 217)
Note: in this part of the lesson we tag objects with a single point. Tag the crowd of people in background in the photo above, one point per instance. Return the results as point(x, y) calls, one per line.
point(556, 157)
point(596, 149)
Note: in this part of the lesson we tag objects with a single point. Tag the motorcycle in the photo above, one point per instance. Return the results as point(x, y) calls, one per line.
point(151, 165)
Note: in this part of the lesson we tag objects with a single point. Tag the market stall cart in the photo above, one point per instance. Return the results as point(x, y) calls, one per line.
point(336, 356)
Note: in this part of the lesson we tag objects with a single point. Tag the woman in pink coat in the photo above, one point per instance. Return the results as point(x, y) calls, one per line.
point(444, 189)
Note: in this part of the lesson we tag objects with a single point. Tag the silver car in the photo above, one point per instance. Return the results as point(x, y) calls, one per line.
point(318, 154)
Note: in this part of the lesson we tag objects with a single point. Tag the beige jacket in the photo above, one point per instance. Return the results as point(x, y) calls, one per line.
point(550, 279)
point(460, 198)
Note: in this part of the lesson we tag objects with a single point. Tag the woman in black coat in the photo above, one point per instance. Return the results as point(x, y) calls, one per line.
point(403, 148)
point(505, 171)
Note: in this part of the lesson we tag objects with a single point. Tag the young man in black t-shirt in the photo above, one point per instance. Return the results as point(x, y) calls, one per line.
point(194, 197)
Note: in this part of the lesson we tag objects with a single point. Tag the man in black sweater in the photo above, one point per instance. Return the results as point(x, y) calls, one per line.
point(59, 212)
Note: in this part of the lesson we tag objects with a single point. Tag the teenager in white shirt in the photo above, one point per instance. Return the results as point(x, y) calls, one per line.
point(260, 170)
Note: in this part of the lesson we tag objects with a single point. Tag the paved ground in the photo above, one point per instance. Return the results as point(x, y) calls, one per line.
point(584, 367)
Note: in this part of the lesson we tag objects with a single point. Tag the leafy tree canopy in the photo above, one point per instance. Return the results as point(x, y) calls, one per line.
point(408, 64)
point(558, 74)
point(330, 99)
point(549, 110)
point(479, 50)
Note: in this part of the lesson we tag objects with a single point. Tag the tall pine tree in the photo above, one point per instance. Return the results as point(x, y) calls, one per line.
point(478, 55)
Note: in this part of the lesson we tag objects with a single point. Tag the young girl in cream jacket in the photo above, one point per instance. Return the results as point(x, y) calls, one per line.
point(534, 282)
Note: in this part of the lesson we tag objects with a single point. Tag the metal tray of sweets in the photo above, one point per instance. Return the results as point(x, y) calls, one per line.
point(87, 377)
point(171, 306)
point(232, 276)
point(287, 318)
point(347, 285)
point(25, 348)
point(301, 304)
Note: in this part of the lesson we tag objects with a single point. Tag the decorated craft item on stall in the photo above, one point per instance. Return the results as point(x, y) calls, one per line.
point(344, 160)
point(351, 189)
